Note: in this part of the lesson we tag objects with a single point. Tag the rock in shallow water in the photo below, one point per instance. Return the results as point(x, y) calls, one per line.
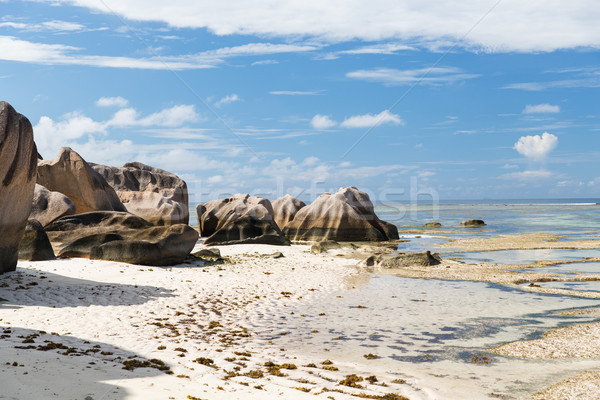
point(473, 223)
point(424, 259)
point(18, 163)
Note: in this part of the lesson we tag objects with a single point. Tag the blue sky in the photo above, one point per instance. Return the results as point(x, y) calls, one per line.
point(482, 99)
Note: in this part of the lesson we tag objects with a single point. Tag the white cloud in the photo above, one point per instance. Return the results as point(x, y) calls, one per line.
point(370, 120)
point(265, 62)
point(536, 147)
point(529, 175)
point(14, 49)
point(51, 135)
point(423, 76)
point(169, 117)
point(322, 122)
point(541, 108)
point(227, 100)
point(481, 25)
point(112, 102)
point(385, 48)
point(587, 77)
point(296, 92)
point(56, 26)
point(215, 179)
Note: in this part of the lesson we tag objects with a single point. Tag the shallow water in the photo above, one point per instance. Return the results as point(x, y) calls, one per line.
point(524, 256)
point(510, 216)
point(435, 326)
point(568, 269)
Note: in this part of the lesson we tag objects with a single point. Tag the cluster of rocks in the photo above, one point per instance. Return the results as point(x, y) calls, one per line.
point(347, 215)
point(139, 214)
point(135, 213)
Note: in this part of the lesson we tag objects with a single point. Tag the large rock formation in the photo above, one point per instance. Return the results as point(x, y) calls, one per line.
point(347, 215)
point(118, 236)
point(35, 245)
point(239, 219)
point(285, 209)
point(18, 161)
point(49, 206)
point(72, 176)
point(156, 195)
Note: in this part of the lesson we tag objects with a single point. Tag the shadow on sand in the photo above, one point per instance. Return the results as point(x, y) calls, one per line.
point(63, 367)
point(27, 287)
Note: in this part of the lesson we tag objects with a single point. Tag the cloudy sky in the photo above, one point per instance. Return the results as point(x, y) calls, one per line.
point(466, 100)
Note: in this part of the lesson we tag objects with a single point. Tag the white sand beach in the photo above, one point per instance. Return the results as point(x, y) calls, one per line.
point(109, 312)
point(258, 327)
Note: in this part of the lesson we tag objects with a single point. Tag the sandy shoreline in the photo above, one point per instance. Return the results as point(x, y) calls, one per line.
point(204, 316)
point(216, 328)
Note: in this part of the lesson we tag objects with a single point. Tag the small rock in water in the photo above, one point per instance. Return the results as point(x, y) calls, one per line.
point(473, 223)
point(434, 224)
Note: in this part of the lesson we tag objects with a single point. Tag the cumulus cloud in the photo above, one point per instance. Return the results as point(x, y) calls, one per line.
point(573, 24)
point(371, 120)
point(51, 135)
point(536, 147)
point(232, 98)
point(541, 109)
point(112, 102)
point(322, 122)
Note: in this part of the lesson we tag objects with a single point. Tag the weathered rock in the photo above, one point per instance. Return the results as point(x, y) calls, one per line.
point(82, 247)
point(277, 254)
point(433, 225)
point(239, 219)
point(215, 214)
point(324, 246)
point(156, 195)
point(35, 245)
point(285, 209)
point(171, 246)
point(118, 236)
point(207, 253)
point(347, 215)
point(248, 230)
point(72, 176)
point(18, 162)
point(49, 206)
point(473, 223)
point(424, 259)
